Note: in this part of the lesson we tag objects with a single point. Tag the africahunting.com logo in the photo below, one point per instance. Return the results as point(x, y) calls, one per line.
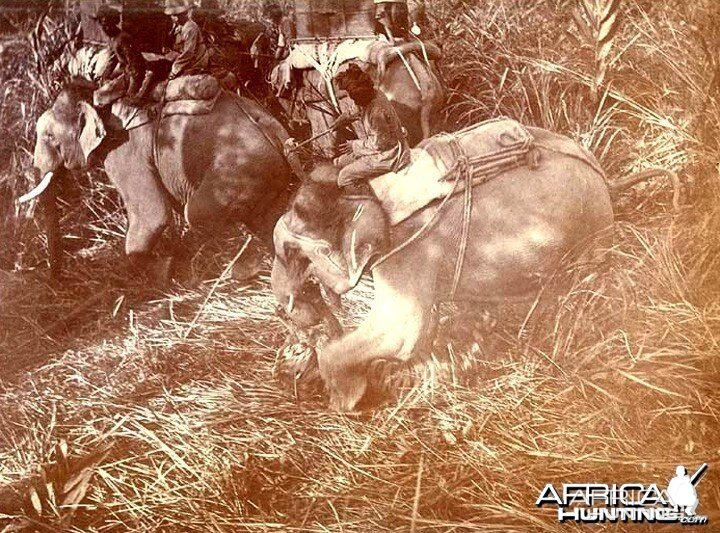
point(631, 502)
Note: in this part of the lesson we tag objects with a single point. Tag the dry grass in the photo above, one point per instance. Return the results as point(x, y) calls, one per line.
point(615, 380)
point(605, 388)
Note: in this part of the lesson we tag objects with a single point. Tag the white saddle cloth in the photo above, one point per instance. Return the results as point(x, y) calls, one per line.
point(327, 57)
point(489, 147)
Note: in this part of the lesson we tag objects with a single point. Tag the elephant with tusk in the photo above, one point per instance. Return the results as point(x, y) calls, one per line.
point(548, 209)
point(219, 168)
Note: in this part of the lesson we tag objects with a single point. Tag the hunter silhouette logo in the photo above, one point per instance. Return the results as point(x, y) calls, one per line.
point(681, 489)
point(630, 502)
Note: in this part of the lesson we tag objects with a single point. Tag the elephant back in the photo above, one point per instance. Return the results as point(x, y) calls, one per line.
point(561, 144)
point(484, 150)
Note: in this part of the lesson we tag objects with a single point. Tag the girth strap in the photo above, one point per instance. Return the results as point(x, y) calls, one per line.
point(465, 173)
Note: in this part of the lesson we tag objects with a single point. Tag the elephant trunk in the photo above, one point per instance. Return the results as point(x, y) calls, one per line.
point(47, 191)
point(302, 301)
point(48, 204)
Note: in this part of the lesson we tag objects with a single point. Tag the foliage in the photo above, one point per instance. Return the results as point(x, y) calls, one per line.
point(615, 380)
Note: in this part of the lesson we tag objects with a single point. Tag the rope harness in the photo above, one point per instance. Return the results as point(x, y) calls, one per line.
point(471, 172)
point(410, 71)
point(256, 123)
point(467, 171)
point(464, 172)
point(156, 125)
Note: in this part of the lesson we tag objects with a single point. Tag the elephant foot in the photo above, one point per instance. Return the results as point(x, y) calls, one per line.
point(248, 266)
point(147, 268)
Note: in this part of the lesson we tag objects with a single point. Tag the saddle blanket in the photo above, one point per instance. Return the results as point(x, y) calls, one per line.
point(326, 56)
point(329, 58)
point(186, 95)
point(488, 148)
point(193, 87)
point(130, 116)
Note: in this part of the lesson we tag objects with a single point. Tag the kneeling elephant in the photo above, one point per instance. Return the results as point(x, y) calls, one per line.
point(500, 243)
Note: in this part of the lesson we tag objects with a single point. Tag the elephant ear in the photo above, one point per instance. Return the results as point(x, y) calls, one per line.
point(339, 259)
point(365, 238)
point(91, 129)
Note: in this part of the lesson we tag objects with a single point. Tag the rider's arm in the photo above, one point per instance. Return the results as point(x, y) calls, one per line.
point(346, 118)
point(380, 135)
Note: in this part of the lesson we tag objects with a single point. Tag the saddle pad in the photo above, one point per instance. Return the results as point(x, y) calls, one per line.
point(189, 107)
point(131, 117)
point(328, 57)
point(490, 148)
point(192, 87)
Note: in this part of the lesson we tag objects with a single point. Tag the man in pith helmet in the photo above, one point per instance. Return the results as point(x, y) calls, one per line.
point(190, 55)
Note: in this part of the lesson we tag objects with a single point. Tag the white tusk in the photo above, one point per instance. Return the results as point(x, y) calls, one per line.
point(353, 255)
point(37, 191)
point(291, 304)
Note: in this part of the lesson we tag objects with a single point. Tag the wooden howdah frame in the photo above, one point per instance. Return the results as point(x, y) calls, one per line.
point(334, 19)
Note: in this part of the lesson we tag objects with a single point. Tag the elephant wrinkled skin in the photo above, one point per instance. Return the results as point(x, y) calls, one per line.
point(223, 167)
point(525, 223)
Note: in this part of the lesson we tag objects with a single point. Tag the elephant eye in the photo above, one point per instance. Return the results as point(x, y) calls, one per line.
point(52, 140)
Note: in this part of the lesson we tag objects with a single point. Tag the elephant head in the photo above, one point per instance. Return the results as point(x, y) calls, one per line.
point(67, 134)
point(324, 235)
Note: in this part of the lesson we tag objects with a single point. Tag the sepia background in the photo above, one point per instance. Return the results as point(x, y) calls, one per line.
point(172, 393)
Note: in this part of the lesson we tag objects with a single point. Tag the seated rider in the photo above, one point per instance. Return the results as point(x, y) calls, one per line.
point(135, 68)
point(190, 55)
point(382, 146)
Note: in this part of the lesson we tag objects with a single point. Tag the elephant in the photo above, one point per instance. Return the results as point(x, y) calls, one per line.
point(409, 81)
point(219, 168)
point(524, 224)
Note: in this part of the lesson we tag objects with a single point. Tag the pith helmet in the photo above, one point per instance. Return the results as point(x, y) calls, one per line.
point(175, 7)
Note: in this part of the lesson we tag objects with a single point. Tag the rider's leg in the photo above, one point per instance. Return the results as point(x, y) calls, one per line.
point(146, 83)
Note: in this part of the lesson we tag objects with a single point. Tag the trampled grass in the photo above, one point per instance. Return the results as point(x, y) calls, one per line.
point(614, 381)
